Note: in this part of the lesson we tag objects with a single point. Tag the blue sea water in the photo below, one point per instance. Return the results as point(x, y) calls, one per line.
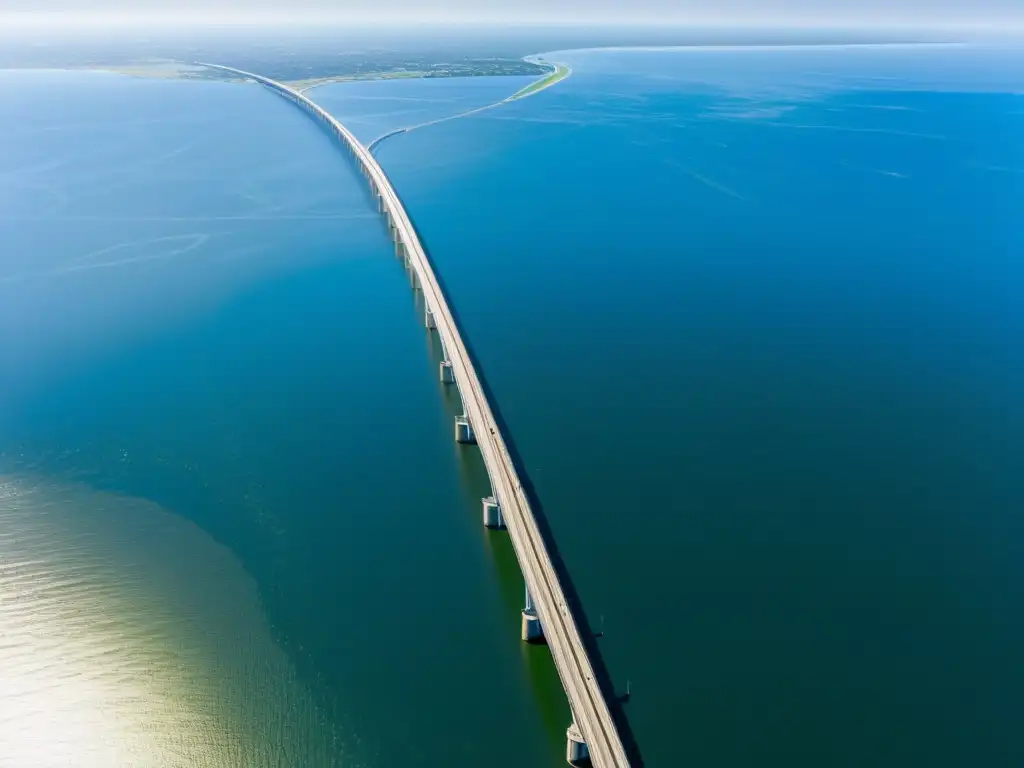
point(752, 317)
point(372, 108)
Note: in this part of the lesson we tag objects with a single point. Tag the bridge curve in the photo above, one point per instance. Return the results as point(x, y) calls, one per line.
point(383, 136)
point(593, 735)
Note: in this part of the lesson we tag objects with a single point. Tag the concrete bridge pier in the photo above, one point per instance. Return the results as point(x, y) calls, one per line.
point(569, 653)
point(492, 514)
point(447, 374)
point(464, 430)
point(428, 320)
point(576, 752)
point(532, 630)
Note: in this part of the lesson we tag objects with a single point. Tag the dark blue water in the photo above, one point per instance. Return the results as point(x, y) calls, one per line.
point(753, 320)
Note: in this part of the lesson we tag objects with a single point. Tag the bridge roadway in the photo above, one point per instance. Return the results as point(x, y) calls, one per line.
point(591, 713)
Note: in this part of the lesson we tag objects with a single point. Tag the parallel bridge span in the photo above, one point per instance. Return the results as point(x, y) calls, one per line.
point(593, 736)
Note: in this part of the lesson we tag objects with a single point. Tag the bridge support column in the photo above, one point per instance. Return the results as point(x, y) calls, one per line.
point(428, 320)
point(532, 630)
point(447, 374)
point(576, 752)
point(463, 430)
point(492, 514)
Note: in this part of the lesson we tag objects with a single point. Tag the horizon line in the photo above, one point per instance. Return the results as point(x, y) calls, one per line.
point(84, 21)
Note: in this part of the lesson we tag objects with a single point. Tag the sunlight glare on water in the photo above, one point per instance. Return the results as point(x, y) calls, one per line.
point(116, 647)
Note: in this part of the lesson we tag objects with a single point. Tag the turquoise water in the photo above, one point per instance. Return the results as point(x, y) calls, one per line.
point(752, 318)
point(210, 318)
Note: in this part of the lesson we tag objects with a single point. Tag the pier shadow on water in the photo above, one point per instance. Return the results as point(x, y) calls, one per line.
point(475, 484)
point(474, 476)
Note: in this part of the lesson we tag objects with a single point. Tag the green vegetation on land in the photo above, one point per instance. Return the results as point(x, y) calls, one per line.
point(381, 66)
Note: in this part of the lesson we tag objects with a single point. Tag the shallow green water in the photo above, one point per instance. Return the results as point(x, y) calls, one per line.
point(752, 319)
point(212, 321)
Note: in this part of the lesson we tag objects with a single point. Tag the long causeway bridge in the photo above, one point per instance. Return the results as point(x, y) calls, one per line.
point(593, 737)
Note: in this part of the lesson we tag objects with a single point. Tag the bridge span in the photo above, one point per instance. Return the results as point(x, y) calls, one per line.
point(593, 736)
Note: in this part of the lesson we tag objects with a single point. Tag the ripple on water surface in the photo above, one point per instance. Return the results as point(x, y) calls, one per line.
point(130, 637)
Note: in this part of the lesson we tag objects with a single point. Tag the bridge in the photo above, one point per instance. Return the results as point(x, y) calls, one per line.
point(593, 737)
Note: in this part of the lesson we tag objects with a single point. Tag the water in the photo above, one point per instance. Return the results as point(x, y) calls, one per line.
point(211, 320)
point(753, 321)
point(372, 108)
point(119, 651)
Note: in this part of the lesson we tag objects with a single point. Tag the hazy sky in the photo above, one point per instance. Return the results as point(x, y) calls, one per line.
point(826, 12)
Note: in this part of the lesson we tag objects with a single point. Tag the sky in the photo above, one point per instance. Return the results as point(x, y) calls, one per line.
point(754, 12)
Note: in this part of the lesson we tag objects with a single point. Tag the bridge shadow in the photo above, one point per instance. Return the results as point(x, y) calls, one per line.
point(571, 594)
point(612, 697)
point(474, 482)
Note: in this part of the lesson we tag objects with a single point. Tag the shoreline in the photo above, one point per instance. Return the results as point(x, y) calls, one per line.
point(559, 73)
point(180, 70)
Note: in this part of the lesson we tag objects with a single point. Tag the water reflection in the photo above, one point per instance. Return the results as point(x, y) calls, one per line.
point(130, 637)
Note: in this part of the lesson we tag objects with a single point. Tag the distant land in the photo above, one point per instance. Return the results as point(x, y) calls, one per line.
point(310, 56)
point(422, 68)
point(360, 69)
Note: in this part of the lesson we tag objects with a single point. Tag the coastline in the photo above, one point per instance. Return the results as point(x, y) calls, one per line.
point(559, 72)
point(175, 70)
point(180, 70)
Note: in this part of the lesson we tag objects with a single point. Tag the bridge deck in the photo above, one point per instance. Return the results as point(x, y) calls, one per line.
point(590, 709)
